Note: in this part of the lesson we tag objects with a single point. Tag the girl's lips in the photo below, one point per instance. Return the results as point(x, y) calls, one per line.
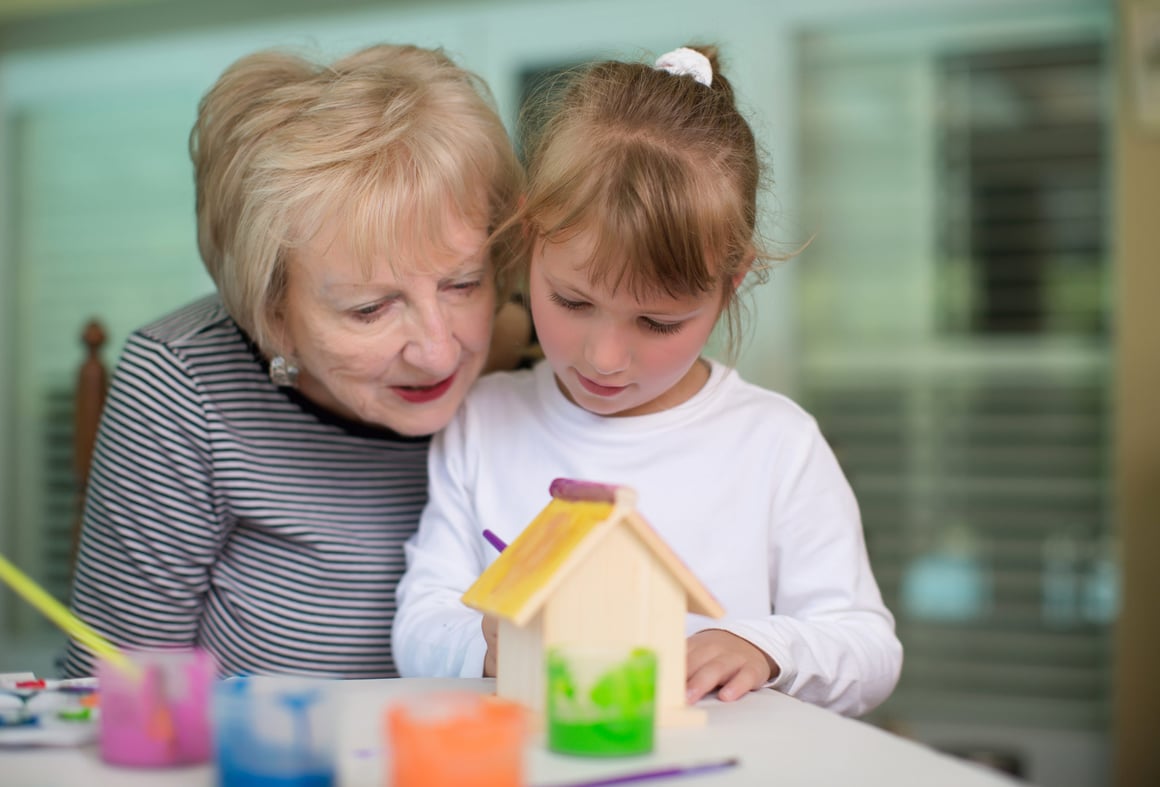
point(598, 389)
point(424, 393)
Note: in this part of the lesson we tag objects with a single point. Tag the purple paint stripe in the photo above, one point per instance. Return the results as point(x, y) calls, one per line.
point(659, 773)
point(569, 489)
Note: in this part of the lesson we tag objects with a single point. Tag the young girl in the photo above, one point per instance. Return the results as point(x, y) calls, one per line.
point(639, 226)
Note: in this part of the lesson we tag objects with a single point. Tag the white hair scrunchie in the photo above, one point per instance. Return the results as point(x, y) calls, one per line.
point(687, 61)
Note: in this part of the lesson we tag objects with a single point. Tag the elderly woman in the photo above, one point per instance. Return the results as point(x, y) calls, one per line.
point(262, 455)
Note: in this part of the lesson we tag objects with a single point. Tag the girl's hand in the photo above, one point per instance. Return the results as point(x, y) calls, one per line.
point(491, 636)
point(724, 661)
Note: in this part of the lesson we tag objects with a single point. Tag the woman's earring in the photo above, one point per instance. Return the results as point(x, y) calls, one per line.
point(283, 372)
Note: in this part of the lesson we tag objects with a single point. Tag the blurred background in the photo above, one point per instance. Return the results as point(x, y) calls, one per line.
point(971, 321)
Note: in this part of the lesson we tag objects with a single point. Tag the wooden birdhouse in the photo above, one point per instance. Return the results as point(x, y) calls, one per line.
point(590, 571)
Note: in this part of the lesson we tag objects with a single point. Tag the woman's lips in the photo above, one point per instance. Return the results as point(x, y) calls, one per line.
point(598, 389)
point(421, 394)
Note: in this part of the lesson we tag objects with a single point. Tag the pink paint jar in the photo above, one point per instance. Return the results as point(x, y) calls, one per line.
point(160, 716)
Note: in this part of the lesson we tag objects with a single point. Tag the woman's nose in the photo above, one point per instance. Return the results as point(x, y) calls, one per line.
point(431, 345)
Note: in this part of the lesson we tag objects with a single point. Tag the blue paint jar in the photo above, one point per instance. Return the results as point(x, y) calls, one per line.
point(274, 731)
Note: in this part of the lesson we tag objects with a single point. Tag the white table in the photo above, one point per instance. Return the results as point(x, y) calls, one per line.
point(778, 740)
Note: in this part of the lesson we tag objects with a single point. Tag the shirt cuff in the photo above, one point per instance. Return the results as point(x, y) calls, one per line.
point(759, 637)
point(473, 658)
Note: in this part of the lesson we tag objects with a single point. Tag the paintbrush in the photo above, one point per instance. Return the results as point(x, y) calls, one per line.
point(670, 772)
point(41, 684)
point(69, 623)
point(495, 541)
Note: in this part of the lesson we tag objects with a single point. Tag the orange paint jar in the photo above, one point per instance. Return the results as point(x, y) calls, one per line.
point(455, 740)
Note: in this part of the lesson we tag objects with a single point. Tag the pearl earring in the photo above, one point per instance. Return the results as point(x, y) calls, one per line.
point(283, 372)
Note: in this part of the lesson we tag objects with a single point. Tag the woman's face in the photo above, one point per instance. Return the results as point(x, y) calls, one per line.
point(399, 349)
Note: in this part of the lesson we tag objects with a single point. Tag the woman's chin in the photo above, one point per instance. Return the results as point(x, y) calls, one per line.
point(414, 420)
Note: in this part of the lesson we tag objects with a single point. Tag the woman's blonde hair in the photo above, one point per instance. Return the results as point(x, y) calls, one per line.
point(392, 141)
point(664, 170)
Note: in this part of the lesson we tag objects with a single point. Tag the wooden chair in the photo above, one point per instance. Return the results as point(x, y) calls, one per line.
point(513, 339)
point(92, 385)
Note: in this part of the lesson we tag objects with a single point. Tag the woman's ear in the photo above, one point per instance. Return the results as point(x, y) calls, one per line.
point(279, 338)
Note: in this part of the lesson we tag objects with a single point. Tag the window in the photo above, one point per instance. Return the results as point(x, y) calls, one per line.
point(1023, 213)
point(954, 326)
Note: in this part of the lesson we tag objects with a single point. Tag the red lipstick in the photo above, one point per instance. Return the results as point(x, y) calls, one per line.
point(421, 394)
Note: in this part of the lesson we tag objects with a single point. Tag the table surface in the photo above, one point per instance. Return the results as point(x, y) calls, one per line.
point(777, 740)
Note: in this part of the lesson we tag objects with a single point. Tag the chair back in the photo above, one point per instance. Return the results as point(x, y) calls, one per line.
point(92, 384)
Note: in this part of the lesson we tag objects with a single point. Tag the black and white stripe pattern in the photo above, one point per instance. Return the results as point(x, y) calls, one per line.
point(225, 512)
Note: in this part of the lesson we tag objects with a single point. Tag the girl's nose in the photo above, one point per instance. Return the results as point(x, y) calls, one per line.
point(606, 350)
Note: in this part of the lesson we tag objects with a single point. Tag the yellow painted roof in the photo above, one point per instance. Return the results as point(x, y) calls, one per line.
point(520, 579)
point(523, 571)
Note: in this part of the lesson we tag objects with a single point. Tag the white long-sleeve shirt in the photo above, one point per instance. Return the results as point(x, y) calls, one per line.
point(738, 480)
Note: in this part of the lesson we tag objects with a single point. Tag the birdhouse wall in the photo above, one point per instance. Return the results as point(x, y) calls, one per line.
point(620, 594)
point(521, 663)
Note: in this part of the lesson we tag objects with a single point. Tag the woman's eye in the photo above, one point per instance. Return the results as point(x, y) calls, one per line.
point(663, 328)
point(467, 287)
point(560, 300)
point(369, 312)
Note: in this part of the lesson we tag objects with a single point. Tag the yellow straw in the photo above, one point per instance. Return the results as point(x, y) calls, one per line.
point(68, 622)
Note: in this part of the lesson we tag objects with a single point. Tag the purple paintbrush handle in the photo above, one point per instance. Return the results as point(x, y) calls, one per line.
point(658, 773)
point(495, 541)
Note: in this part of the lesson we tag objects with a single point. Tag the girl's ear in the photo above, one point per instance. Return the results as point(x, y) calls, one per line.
point(743, 270)
point(525, 225)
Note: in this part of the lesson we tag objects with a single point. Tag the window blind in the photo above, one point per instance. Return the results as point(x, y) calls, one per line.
point(985, 503)
point(953, 326)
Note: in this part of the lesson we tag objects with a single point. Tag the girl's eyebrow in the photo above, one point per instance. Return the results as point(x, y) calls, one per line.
point(556, 284)
point(645, 310)
point(677, 317)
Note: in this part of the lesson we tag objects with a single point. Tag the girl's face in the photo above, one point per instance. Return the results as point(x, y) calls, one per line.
point(399, 349)
point(612, 354)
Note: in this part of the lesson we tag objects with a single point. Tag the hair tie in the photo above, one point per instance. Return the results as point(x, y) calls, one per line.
point(687, 61)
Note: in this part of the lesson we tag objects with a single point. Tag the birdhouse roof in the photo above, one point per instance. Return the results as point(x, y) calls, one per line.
point(565, 531)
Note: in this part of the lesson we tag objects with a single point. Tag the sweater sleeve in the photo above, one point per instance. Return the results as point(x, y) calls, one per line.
point(829, 632)
point(151, 531)
point(435, 634)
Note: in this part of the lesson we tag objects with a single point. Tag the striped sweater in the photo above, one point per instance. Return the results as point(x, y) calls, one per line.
point(228, 513)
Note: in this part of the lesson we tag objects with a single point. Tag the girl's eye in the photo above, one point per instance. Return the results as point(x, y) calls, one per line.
point(662, 328)
point(560, 300)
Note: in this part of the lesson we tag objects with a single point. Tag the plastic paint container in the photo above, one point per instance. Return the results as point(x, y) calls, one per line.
point(159, 717)
point(275, 731)
point(601, 701)
point(454, 740)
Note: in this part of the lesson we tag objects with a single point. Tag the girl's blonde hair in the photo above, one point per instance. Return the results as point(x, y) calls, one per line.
point(664, 171)
point(392, 141)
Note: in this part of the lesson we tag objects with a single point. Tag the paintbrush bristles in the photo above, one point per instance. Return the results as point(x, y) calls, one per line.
point(591, 491)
